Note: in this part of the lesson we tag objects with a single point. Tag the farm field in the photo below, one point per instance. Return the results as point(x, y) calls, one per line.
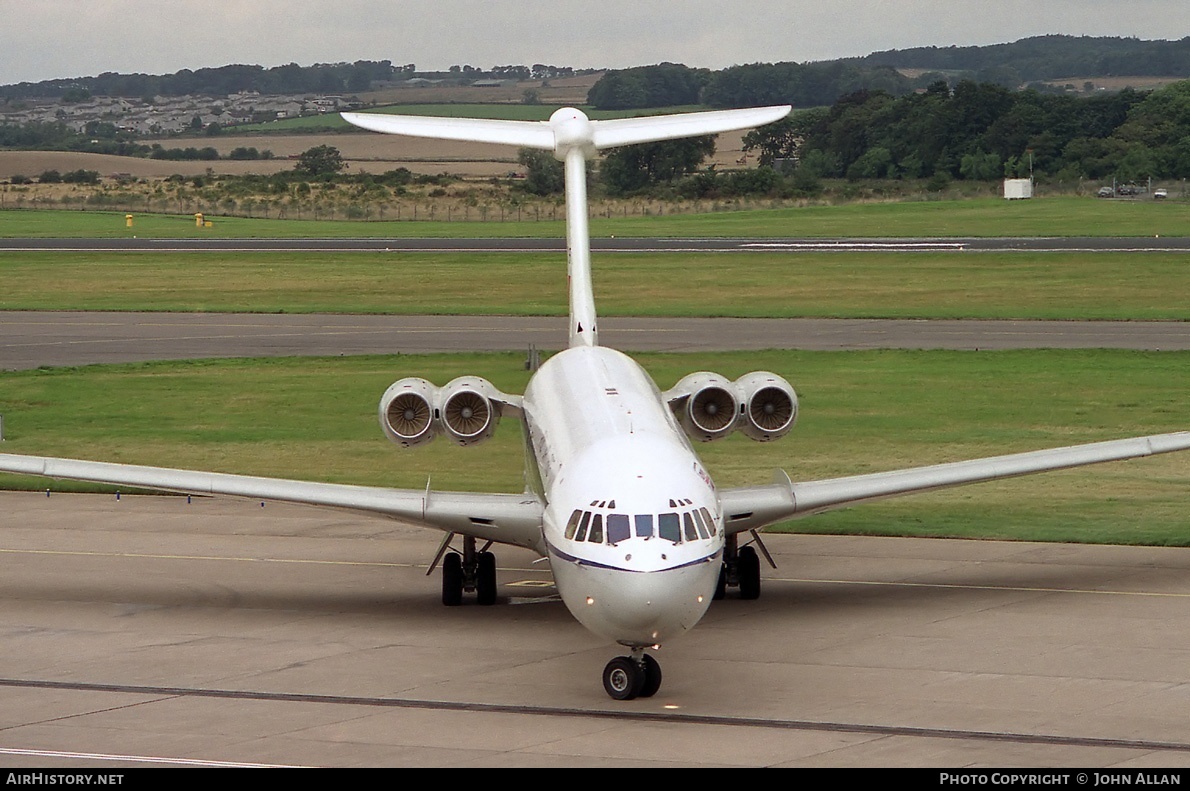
point(860, 412)
point(1013, 285)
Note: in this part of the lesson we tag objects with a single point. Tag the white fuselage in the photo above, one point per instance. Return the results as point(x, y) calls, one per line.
point(632, 525)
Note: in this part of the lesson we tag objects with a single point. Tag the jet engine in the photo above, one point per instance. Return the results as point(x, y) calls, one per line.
point(707, 405)
point(469, 409)
point(770, 406)
point(407, 412)
point(414, 411)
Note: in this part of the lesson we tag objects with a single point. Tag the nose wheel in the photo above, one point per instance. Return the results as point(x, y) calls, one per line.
point(629, 677)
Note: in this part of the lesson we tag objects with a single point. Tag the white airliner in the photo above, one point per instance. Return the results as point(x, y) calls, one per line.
point(638, 537)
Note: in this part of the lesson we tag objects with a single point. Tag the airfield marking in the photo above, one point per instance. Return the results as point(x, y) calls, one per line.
point(668, 716)
point(855, 246)
point(958, 586)
point(143, 759)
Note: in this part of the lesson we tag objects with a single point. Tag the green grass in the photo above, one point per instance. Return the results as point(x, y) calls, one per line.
point(860, 412)
point(898, 285)
point(986, 217)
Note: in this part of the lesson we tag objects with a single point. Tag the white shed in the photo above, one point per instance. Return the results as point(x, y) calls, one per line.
point(1016, 189)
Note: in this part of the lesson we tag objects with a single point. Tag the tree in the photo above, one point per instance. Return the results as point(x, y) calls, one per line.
point(783, 139)
point(320, 161)
point(545, 173)
point(633, 168)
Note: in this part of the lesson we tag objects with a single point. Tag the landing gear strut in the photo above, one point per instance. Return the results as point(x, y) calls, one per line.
point(741, 567)
point(636, 676)
point(473, 572)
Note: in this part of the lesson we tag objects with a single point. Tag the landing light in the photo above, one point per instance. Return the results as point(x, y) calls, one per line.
point(590, 600)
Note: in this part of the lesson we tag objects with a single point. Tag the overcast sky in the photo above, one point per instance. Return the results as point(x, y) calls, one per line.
point(45, 39)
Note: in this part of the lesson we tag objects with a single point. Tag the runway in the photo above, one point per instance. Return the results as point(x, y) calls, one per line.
point(154, 631)
point(31, 339)
point(603, 244)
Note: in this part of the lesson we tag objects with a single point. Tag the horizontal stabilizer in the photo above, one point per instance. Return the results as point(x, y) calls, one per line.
point(570, 128)
point(531, 134)
point(650, 129)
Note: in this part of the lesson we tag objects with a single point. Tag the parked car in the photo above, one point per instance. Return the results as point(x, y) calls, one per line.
point(1160, 194)
point(1107, 192)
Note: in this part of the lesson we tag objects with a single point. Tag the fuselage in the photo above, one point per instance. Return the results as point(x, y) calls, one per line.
point(632, 525)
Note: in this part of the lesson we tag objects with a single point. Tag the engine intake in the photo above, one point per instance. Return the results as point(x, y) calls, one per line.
point(770, 406)
point(707, 406)
point(407, 412)
point(469, 413)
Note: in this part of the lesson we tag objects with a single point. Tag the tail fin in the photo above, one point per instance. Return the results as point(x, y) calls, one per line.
point(574, 139)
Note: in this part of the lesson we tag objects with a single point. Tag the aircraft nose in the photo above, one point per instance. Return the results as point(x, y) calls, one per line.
point(642, 609)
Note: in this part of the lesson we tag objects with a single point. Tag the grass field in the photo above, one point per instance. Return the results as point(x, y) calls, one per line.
point(888, 285)
point(861, 412)
point(988, 217)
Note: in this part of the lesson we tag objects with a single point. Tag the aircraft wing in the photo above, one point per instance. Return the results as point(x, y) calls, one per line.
point(503, 518)
point(749, 508)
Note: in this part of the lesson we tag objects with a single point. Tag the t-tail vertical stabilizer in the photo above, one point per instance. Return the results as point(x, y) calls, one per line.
point(574, 139)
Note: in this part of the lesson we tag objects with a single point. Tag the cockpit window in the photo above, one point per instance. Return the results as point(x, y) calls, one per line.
point(572, 525)
point(710, 521)
point(597, 528)
point(581, 535)
point(618, 528)
point(596, 534)
point(669, 527)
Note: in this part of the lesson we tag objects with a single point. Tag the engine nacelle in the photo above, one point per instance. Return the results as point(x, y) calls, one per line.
point(468, 409)
point(413, 411)
point(770, 406)
point(407, 412)
point(707, 405)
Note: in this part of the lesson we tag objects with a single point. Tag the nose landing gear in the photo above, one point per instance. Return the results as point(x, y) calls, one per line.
point(629, 677)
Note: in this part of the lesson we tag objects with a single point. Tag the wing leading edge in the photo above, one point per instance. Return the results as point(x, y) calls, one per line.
point(752, 507)
point(503, 518)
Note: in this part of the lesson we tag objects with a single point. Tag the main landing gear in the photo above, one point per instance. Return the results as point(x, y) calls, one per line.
point(473, 572)
point(636, 676)
point(741, 567)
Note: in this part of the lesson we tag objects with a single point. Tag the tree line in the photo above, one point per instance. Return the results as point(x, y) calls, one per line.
point(803, 85)
point(1051, 57)
point(983, 131)
point(971, 132)
point(1024, 62)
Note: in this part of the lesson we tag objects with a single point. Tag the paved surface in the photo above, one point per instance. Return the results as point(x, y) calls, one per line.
point(1086, 244)
point(221, 631)
point(32, 339)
